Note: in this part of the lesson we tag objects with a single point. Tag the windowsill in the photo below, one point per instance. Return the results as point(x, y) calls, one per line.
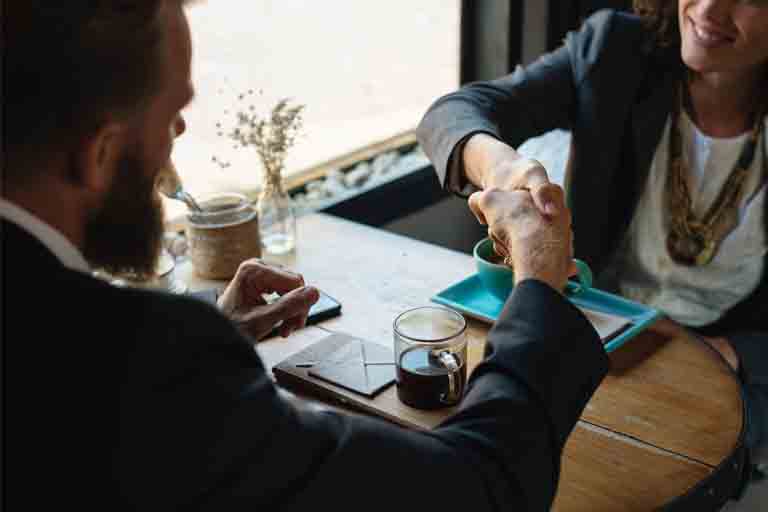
point(324, 185)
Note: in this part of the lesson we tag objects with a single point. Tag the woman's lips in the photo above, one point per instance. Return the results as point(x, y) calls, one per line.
point(709, 37)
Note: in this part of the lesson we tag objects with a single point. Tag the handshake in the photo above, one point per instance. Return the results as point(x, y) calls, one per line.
point(530, 228)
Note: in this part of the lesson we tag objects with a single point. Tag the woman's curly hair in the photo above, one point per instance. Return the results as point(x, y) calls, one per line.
point(661, 16)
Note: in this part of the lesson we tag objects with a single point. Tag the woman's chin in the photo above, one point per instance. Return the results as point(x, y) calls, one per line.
point(699, 62)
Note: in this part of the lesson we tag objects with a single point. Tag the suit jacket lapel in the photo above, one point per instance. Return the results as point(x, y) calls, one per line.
point(642, 127)
point(649, 116)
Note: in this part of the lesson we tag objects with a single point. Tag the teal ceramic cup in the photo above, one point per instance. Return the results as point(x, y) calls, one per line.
point(499, 279)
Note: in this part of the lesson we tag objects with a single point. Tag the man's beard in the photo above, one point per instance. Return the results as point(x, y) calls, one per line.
point(126, 235)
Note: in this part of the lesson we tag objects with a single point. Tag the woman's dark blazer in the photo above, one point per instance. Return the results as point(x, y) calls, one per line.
point(613, 88)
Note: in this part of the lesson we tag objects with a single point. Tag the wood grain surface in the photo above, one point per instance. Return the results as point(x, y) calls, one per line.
point(668, 413)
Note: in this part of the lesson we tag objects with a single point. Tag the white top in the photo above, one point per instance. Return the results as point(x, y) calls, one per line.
point(57, 243)
point(695, 296)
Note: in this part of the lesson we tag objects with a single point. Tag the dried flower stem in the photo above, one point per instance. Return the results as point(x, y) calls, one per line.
point(272, 137)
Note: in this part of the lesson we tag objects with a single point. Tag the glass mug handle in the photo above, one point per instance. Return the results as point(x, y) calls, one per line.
point(451, 362)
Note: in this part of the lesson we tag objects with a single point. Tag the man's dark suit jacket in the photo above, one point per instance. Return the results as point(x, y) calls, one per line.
point(118, 399)
point(613, 88)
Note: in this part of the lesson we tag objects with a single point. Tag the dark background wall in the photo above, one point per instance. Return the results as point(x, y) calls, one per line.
point(416, 206)
point(496, 35)
point(569, 14)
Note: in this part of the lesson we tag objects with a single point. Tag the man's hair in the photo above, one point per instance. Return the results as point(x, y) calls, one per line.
point(69, 66)
point(661, 17)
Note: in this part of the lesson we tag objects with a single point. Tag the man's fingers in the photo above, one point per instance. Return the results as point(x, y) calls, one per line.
point(573, 270)
point(533, 176)
point(474, 205)
point(259, 277)
point(499, 243)
point(299, 321)
point(294, 304)
point(549, 199)
point(292, 325)
point(490, 204)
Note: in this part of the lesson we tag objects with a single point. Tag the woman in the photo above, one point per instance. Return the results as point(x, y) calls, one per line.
point(668, 165)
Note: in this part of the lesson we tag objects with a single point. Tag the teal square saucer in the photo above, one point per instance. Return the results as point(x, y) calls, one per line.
point(470, 297)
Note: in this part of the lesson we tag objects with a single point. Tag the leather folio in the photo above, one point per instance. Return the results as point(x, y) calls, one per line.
point(337, 363)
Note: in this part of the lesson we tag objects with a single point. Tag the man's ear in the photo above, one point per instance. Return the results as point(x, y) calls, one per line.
point(98, 156)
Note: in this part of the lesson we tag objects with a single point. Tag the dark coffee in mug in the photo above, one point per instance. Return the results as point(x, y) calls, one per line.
point(423, 381)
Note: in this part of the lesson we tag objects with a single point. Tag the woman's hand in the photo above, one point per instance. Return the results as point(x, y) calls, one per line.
point(490, 163)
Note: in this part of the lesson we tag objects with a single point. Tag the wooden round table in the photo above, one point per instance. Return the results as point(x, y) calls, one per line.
point(664, 429)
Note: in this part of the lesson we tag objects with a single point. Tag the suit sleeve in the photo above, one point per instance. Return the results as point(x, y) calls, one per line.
point(514, 108)
point(219, 436)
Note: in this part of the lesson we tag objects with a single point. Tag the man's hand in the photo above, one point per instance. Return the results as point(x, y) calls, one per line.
point(671, 329)
point(490, 163)
point(535, 245)
point(244, 303)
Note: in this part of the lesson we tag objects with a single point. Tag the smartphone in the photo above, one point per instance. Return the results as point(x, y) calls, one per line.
point(326, 307)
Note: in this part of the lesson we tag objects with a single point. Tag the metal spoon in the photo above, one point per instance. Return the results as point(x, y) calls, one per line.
point(169, 184)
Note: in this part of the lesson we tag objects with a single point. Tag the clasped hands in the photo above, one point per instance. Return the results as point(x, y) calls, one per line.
point(528, 221)
point(243, 299)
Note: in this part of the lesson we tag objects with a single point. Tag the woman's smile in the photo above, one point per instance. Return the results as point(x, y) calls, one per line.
point(710, 36)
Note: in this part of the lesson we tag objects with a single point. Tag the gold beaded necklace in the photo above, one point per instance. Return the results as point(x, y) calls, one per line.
point(691, 240)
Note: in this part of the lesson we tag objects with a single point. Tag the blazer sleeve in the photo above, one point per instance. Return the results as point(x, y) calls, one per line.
point(212, 432)
point(514, 108)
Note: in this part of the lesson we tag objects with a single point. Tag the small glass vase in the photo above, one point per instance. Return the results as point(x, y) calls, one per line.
point(277, 220)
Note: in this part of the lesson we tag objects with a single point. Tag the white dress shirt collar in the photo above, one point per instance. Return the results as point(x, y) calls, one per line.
point(57, 243)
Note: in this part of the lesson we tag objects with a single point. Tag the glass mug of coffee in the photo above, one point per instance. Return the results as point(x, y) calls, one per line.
point(430, 357)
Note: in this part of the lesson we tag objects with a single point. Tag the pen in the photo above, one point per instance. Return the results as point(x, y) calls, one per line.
point(368, 363)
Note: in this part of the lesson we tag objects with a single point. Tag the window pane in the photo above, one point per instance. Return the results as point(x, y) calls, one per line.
point(365, 71)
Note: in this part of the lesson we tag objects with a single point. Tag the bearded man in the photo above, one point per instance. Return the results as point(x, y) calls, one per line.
point(128, 399)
